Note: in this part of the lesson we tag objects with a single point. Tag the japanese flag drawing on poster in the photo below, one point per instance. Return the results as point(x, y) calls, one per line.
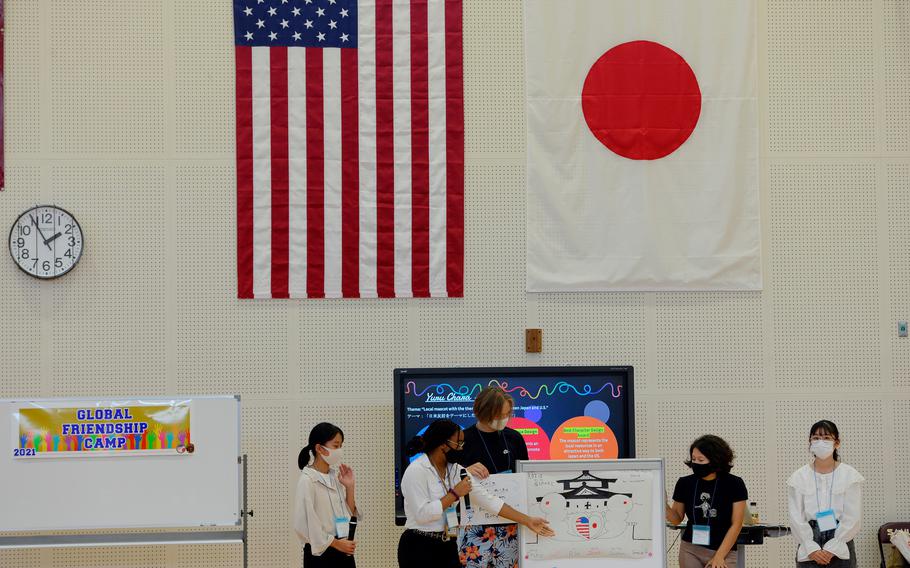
point(642, 145)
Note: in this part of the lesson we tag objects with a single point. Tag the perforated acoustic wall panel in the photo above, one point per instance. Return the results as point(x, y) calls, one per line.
point(820, 76)
point(898, 183)
point(824, 275)
point(107, 76)
point(897, 75)
point(20, 311)
point(122, 112)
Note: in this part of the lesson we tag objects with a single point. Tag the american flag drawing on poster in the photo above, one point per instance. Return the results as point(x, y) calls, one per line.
point(350, 148)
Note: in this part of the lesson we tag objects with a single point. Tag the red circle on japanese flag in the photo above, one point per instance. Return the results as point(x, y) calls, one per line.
point(641, 100)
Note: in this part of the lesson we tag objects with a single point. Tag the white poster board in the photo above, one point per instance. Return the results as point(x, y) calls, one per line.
point(510, 487)
point(604, 513)
point(169, 491)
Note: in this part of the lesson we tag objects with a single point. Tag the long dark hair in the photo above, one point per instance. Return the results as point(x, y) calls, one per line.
point(829, 428)
point(322, 434)
point(436, 435)
point(718, 452)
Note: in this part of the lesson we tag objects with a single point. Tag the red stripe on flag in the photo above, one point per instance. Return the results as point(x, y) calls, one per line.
point(350, 176)
point(315, 174)
point(420, 152)
point(278, 62)
point(385, 153)
point(454, 150)
point(243, 56)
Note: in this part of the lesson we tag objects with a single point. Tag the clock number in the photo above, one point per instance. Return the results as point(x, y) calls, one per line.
point(58, 262)
point(46, 265)
point(25, 230)
point(20, 242)
point(24, 253)
point(68, 229)
point(47, 218)
point(72, 241)
point(35, 264)
point(69, 253)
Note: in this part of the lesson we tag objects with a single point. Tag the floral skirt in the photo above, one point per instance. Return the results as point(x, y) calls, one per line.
point(489, 546)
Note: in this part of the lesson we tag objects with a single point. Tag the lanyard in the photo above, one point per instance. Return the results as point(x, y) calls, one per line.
point(818, 504)
point(445, 487)
point(329, 492)
point(704, 513)
point(508, 451)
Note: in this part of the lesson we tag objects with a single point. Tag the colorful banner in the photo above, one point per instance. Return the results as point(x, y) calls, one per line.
point(102, 428)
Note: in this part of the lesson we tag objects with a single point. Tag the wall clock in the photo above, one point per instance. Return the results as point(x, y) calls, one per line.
point(46, 242)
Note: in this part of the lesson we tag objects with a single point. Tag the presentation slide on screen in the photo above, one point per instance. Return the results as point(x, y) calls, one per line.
point(578, 417)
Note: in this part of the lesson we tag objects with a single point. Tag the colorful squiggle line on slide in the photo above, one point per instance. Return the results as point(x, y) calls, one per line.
point(561, 387)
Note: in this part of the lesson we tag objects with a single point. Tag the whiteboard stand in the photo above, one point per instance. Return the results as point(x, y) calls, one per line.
point(71, 540)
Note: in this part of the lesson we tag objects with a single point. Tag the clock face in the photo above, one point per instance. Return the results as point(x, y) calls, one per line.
point(46, 242)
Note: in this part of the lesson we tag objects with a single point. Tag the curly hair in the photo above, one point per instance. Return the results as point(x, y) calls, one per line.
point(718, 452)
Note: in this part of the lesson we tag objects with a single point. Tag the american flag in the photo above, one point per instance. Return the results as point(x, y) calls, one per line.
point(583, 526)
point(350, 148)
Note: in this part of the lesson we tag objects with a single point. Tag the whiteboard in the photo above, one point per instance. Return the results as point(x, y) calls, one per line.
point(611, 509)
point(154, 491)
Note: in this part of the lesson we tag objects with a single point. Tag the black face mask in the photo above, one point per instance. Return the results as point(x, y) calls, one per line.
point(702, 469)
point(452, 456)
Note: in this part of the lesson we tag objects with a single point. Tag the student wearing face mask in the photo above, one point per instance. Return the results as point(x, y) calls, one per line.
point(433, 489)
point(714, 502)
point(491, 448)
point(825, 503)
point(325, 502)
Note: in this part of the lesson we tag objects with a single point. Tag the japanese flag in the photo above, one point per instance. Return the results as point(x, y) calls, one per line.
point(642, 145)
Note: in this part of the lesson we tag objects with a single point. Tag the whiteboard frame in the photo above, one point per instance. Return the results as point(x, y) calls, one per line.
point(635, 464)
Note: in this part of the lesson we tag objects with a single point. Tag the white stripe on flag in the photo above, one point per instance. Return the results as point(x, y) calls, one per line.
point(331, 81)
point(436, 13)
point(366, 63)
point(262, 174)
point(297, 171)
point(401, 49)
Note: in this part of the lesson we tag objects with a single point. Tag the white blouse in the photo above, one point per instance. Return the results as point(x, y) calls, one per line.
point(423, 490)
point(319, 499)
point(805, 499)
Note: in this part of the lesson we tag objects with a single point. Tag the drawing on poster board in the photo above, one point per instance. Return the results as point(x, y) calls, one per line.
point(602, 515)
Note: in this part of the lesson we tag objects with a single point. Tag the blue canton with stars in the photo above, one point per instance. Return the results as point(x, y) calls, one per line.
point(302, 23)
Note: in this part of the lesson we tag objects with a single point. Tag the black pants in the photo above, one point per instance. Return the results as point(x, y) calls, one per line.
point(420, 551)
point(820, 538)
point(331, 558)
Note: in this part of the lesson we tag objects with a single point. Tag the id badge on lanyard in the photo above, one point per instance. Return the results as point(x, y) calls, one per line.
point(451, 515)
point(701, 535)
point(342, 527)
point(826, 519)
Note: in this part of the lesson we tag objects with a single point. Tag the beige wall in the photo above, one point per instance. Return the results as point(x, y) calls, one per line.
point(121, 111)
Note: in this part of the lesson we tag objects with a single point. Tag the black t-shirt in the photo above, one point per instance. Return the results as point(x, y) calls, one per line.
point(710, 503)
point(497, 451)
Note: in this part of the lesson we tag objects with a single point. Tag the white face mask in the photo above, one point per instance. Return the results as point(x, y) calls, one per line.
point(822, 449)
point(500, 424)
point(335, 456)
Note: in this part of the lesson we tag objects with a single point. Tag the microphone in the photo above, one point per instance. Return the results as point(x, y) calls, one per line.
point(352, 528)
point(467, 498)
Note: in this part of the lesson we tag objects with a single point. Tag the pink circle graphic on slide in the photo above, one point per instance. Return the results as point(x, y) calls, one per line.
point(535, 438)
point(641, 100)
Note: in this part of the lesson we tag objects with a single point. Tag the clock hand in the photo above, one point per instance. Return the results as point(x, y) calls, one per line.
point(39, 231)
point(52, 239)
